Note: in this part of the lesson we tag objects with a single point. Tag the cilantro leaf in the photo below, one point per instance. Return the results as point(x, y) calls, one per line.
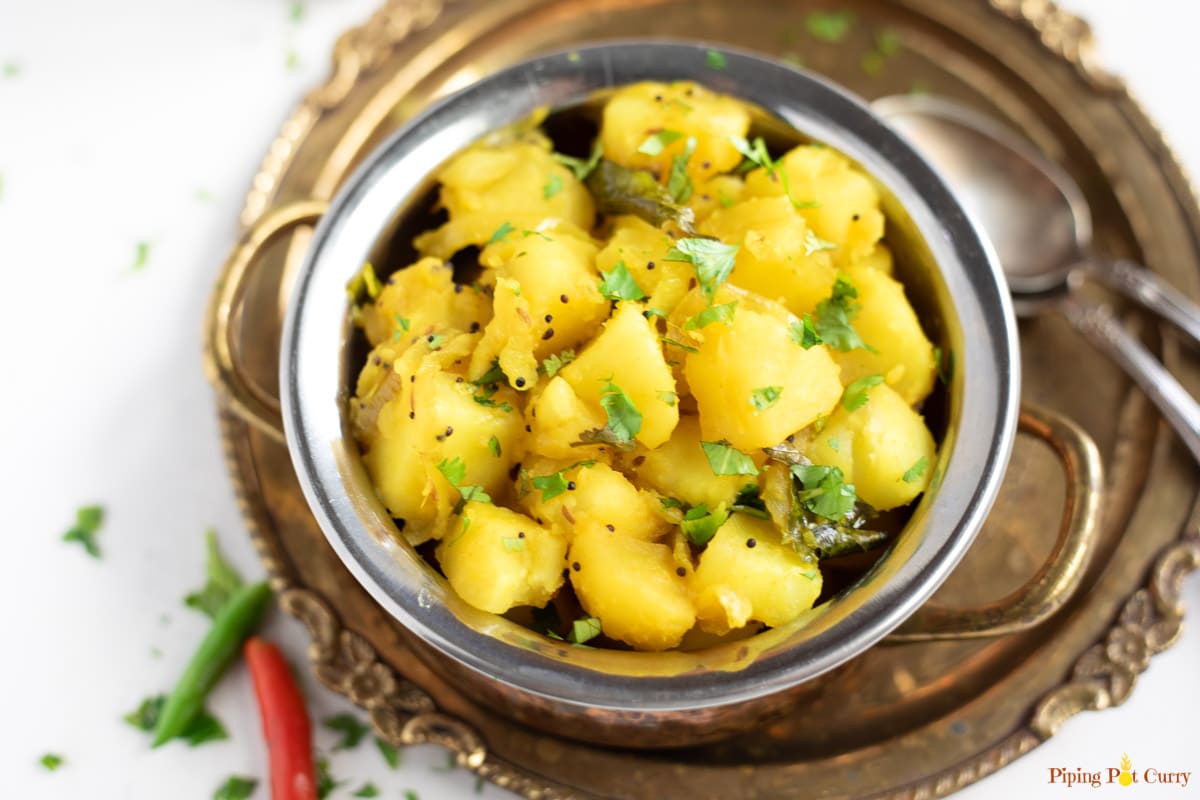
point(855, 395)
point(888, 42)
point(720, 313)
point(141, 256)
point(501, 233)
point(679, 183)
point(725, 460)
point(826, 492)
point(681, 345)
point(435, 340)
point(582, 167)
point(584, 629)
point(554, 484)
point(350, 727)
point(700, 525)
point(624, 419)
point(670, 502)
point(203, 728)
point(494, 446)
point(368, 789)
point(454, 470)
point(815, 244)
point(715, 59)
point(943, 363)
point(223, 581)
point(749, 501)
point(403, 322)
point(390, 753)
point(494, 375)
point(618, 284)
point(554, 185)
point(755, 152)
point(914, 473)
point(834, 317)
point(655, 143)
point(52, 761)
point(557, 361)
point(326, 783)
point(830, 26)
point(764, 397)
point(236, 787)
point(804, 333)
point(670, 398)
point(713, 261)
point(145, 716)
point(409, 794)
point(88, 520)
point(484, 398)
point(513, 544)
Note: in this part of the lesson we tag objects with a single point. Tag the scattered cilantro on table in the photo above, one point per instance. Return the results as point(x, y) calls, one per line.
point(350, 727)
point(223, 581)
point(88, 521)
point(391, 754)
point(236, 787)
point(52, 761)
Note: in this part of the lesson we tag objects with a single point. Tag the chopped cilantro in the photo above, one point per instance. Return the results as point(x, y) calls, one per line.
point(326, 783)
point(525, 234)
point(725, 200)
point(455, 471)
point(914, 473)
point(553, 186)
point(826, 493)
point(670, 502)
point(715, 59)
point(11, 69)
point(554, 363)
point(855, 395)
point(655, 143)
point(834, 317)
point(236, 787)
point(494, 446)
point(618, 284)
point(830, 26)
point(484, 398)
point(368, 789)
point(888, 42)
point(52, 761)
point(582, 167)
point(141, 256)
point(681, 345)
point(725, 460)
point(390, 753)
point(350, 727)
point(815, 244)
point(749, 501)
point(584, 629)
point(296, 10)
point(435, 340)
point(670, 398)
point(712, 260)
point(513, 544)
point(624, 419)
point(765, 397)
point(872, 63)
point(835, 445)
point(943, 364)
point(756, 154)
point(556, 483)
point(700, 525)
point(223, 581)
point(501, 233)
point(403, 322)
point(494, 375)
point(409, 794)
point(721, 313)
point(654, 312)
point(203, 728)
point(804, 333)
point(88, 520)
point(679, 184)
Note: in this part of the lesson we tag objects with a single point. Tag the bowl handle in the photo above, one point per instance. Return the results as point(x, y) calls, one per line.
point(1060, 576)
point(241, 394)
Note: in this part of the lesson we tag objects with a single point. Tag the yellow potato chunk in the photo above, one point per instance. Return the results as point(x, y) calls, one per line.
point(876, 446)
point(846, 210)
point(497, 559)
point(594, 492)
point(775, 259)
point(632, 587)
point(558, 418)
point(903, 354)
point(754, 357)
point(515, 185)
point(510, 338)
point(719, 191)
point(627, 354)
point(680, 469)
point(419, 300)
point(879, 258)
point(645, 109)
point(736, 583)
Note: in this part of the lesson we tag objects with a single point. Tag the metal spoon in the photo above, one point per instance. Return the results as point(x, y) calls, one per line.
point(1041, 228)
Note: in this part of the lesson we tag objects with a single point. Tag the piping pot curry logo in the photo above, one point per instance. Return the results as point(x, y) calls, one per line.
point(1124, 775)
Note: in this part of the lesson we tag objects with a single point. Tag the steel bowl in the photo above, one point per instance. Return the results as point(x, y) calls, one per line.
point(674, 698)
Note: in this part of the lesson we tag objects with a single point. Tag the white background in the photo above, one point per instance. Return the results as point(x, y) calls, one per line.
point(120, 114)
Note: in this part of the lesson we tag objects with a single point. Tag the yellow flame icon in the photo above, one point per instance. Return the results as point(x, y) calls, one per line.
point(1126, 776)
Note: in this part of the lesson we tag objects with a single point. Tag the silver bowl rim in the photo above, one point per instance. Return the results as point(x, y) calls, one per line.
point(987, 382)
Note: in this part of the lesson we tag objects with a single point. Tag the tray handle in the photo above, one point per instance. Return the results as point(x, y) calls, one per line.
point(242, 395)
point(1060, 576)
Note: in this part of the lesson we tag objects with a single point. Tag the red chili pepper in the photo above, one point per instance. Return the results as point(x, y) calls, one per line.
point(285, 723)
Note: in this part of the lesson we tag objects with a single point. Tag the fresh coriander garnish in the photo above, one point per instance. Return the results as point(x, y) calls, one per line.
point(525, 234)
point(670, 502)
point(88, 520)
point(764, 397)
point(493, 376)
point(700, 525)
point(804, 333)
point(943, 364)
point(556, 483)
point(223, 580)
point(582, 167)
point(715, 59)
point(296, 10)
point(52, 761)
point(756, 154)
point(390, 753)
point(815, 244)
point(455, 471)
point(830, 26)
point(681, 345)
point(502, 232)
point(679, 184)
point(655, 143)
point(350, 727)
point(888, 42)
point(724, 459)
point(236, 787)
point(725, 200)
point(720, 313)
point(203, 728)
point(404, 322)
point(513, 544)
point(409, 794)
point(855, 395)
point(670, 398)
point(494, 446)
point(618, 284)
point(583, 630)
point(554, 363)
point(834, 317)
point(712, 260)
point(624, 419)
point(914, 473)
point(141, 256)
point(749, 501)
point(145, 716)
point(553, 186)
point(368, 789)
point(11, 69)
point(326, 783)
point(834, 445)
point(435, 340)
point(484, 398)
point(826, 492)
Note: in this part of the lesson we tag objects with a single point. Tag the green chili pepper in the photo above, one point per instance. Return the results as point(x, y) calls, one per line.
point(232, 625)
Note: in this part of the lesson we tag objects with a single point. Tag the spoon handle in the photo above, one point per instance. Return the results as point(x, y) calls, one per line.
point(1105, 332)
point(1140, 284)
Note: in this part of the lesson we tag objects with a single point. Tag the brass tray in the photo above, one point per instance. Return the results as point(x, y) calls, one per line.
point(914, 720)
